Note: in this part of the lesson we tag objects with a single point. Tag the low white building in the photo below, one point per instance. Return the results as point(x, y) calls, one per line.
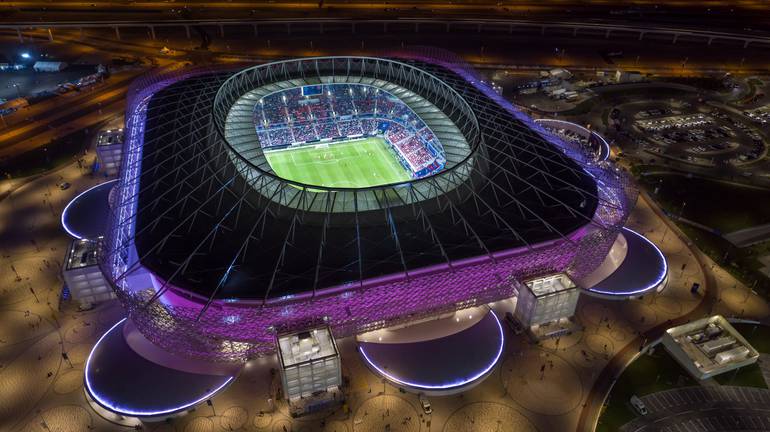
point(628, 77)
point(560, 73)
point(708, 347)
point(49, 66)
point(82, 275)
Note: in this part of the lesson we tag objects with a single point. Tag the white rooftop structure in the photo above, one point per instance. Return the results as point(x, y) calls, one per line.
point(550, 284)
point(546, 299)
point(306, 346)
point(560, 73)
point(708, 347)
point(109, 150)
point(310, 369)
point(49, 66)
point(82, 274)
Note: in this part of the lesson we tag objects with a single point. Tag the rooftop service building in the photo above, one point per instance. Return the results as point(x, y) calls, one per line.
point(709, 347)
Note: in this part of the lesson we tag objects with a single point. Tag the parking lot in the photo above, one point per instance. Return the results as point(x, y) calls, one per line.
point(760, 115)
point(704, 408)
point(710, 138)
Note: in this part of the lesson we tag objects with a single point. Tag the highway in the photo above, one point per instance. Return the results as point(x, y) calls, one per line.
point(747, 15)
point(64, 114)
point(709, 34)
point(290, 37)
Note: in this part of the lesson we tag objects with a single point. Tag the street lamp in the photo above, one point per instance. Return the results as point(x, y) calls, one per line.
point(16, 86)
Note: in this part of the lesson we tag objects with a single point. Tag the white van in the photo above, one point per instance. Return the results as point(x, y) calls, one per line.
point(638, 405)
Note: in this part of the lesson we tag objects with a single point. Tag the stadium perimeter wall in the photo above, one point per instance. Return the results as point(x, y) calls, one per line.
point(241, 330)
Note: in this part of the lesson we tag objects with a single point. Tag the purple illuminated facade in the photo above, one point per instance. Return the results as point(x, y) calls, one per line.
point(235, 330)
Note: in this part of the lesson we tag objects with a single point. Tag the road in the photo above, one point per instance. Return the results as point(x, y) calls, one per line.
point(64, 114)
point(714, 13)
point(602, 386)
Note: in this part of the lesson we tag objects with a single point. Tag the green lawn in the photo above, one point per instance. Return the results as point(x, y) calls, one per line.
point(747, 376)
point(723, 206)
point(648, 374)
point(757, 335)
point(360, 163)
point(659, 371)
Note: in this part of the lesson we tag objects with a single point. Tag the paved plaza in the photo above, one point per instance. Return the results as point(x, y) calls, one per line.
point(536, 387)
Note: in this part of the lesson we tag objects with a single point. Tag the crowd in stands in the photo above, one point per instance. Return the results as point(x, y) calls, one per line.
point(345, 110)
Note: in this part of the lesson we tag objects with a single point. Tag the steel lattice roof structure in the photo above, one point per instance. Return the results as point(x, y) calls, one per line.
point(236, 253)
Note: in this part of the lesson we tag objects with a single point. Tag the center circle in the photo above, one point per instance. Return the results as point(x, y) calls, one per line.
point(346, 134)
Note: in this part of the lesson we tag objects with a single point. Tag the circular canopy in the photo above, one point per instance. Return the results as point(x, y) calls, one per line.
point(643, 269)
point(448, 363)
point(87, 215)
point(124, 382)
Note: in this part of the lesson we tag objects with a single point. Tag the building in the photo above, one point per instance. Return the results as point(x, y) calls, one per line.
point(217, 251)
point(82, 274)
point(311, 373)
point(708, 347)
point(628, 76)
point(546, 299)
point(586, 138)
point(49, 66)
point(109, 150)
point(560, 73)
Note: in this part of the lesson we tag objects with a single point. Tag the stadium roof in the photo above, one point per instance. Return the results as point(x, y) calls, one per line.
point(216, 224)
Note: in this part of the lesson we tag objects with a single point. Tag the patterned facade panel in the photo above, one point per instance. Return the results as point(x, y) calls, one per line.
point(235, 332)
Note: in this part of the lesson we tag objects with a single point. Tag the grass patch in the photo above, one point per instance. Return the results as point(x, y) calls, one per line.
point(360, 163)
point(648, 374)
point(757, 335)
point(659, 371)
point(59, 152)
point(747, 376)
point(723, 206)
point(706, 83)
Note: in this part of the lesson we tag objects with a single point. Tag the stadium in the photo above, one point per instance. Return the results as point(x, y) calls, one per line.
point(340, 193)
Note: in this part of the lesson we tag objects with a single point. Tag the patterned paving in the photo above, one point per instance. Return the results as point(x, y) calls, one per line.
point(513, 399)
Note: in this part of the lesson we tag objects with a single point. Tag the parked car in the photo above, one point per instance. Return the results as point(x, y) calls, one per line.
point(638, 405)
point(425, 404)
point(64, 185)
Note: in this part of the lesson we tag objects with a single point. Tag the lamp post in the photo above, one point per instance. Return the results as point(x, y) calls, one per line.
point(16, 86)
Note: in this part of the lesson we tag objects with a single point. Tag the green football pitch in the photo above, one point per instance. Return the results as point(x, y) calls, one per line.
point(360, 163)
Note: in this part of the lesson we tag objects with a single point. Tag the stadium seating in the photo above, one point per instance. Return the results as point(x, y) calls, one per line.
point(342, 110)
